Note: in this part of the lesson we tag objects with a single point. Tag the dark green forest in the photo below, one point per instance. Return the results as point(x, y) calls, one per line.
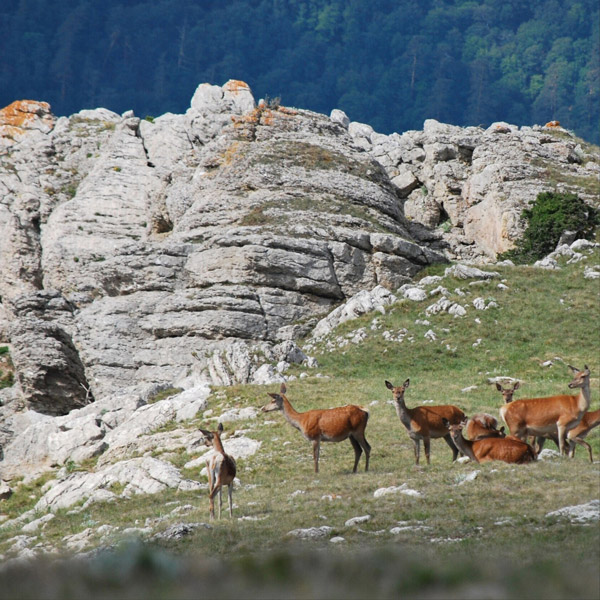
point(389, 63)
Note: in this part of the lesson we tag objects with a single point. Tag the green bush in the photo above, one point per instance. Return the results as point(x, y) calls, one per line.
point(548, 218)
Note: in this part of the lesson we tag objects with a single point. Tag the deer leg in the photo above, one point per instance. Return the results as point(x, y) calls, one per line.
point(220, 501)
point(367, 448)
point(230, 491)
point(211, 501)
point(357, 452)
point(426, 444)
point(561, 439)
point(450, 442)
point(417, 448)
point(316, 452)
point(583, 443)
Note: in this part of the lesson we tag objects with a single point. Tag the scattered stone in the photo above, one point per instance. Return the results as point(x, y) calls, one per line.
point(311, 533)
point(466, 272)
point(463, 478)
point(357, 520)
point(337, 539)
point(400, 489)
point(581, 514)
point(548, 454)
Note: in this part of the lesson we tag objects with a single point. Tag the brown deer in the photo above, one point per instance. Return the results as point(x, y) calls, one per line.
point(552, 415)
point(589, 420)
point(326, 425)
point(508, 394)
point(425, 422)
point(508, 449)
point(221, 470)
point(482, 426)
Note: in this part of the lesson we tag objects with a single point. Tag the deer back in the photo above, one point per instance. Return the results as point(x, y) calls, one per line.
point(335, 423)
point(509, 449)
point(428, 420)
point(539, 412)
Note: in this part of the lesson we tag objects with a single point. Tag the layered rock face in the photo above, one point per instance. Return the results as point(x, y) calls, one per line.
point(476, 182)
point(187, 248)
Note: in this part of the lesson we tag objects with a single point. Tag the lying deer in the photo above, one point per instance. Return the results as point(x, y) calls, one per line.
point(482, 426)
point(508, 449)
point(552, 415)
point(425, 422)
point(326, 425)
point(221, 470)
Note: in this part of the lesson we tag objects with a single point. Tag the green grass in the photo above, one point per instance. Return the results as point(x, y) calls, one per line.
point(491, 533)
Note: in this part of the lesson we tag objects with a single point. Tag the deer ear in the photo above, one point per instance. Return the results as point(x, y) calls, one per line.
point(574, 369)
point(498, 387)
point(388, 385)
point(445, 422)
point(406, 383)
point(206, 433)
point(282, 389)
point(220, 427)
point(516, 386)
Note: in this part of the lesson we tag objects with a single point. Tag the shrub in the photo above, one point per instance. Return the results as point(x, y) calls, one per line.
point(548, 218)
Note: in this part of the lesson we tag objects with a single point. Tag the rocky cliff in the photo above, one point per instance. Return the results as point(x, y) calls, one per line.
point(192, 249)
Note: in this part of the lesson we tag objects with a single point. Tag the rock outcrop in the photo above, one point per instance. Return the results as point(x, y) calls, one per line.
point(473, 183)
point(185, 248)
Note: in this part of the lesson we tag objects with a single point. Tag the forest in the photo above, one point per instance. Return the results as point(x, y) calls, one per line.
point(389, 63)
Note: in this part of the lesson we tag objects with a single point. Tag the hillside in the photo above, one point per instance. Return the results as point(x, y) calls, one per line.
point(162, 275)
point(476, 527)
point(387, 63)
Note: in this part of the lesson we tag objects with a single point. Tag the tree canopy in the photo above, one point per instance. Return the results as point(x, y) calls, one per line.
point(389, 63)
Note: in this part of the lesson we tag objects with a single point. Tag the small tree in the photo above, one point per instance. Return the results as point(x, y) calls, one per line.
point(548, 218)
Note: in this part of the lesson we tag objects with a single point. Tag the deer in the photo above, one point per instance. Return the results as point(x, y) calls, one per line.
point(326, 425)
point(508, 449)
point(575, 436)
point(425, 422)
point(552, 415)
point(221, 470)
point(482, 425)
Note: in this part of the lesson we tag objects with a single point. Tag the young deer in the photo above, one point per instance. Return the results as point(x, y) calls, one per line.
point(482, 426)
point(589, 420)
point(221, 470)
point(326, 425)
point(508, 449)
point(425, 422)
point(552, 415)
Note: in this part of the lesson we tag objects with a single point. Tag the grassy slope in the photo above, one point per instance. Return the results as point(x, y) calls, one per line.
point(491, 531)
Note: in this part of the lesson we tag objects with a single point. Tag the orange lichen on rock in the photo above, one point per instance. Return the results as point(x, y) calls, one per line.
point(552, 124)
point(22, 116)
point(235, 85)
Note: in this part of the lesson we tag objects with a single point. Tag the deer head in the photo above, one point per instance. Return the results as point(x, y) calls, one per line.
point(581, 378)
point(507, 393)
point(399, 390)
point(209, 436)
point(276, 402)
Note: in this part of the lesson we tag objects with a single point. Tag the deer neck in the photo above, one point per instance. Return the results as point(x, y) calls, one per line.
point(218, 445)
point(292, 416)
point(404, 413)
point(584, 397)
point(465, 446)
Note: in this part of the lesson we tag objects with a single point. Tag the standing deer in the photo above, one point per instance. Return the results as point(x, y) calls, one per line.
point(425, 422)
point(221, 470)
point(326, 425)
point(552, 415)
point(508, 449)
point(482, 426)
point(575, 436)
